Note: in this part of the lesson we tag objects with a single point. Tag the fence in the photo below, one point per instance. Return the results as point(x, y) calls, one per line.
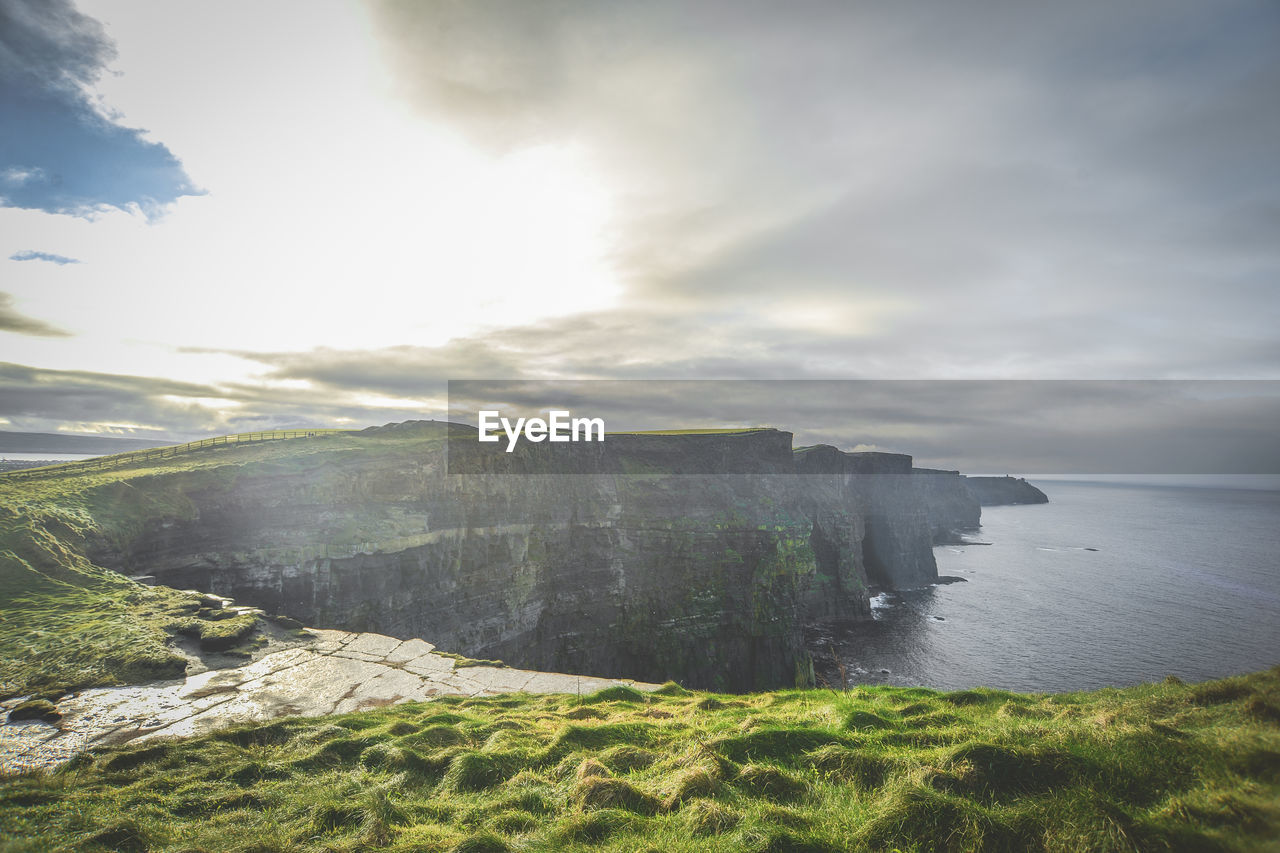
point(134, 457)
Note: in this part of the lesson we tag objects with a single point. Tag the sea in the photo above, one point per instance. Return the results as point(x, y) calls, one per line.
point(12, 456)
point(1108, 584)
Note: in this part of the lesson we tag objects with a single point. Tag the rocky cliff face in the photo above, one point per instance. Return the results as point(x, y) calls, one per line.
point(949, 505)
point(897, 548)
point(999, 491)
point(617, 565)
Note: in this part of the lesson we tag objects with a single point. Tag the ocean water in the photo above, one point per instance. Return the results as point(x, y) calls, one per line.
point(1107, 584)
point(53, 457)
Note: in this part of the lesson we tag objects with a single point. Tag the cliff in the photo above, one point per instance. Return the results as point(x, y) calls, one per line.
point(613, 560)
point(999, 491)
point(949, 505)
point(610, 565)
point(897, 546)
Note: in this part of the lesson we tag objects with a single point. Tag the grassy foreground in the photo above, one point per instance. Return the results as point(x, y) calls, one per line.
point(1166, 766)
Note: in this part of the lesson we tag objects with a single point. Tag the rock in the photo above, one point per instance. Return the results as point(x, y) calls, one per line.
point(950, 506)
point(35, 709)
point(880, 490)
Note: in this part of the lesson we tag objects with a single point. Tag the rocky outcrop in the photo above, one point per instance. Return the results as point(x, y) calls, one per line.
point(612, 560)
point(1000, 491)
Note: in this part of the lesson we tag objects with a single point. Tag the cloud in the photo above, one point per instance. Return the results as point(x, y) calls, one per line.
point(30, 255)
point(1057, 426)
point(37, 399)
point(655, 342)
point(13, 321)
point(1115, 427)
point(62, 151)
point(813, 190)
point(18, 175)
point(993, 189)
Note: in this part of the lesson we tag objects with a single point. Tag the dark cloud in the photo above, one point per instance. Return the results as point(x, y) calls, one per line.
point(40, 400)
point(13, 321)
point(61, 152)
point(52, 45)
point(36, 398)
point(30, 255)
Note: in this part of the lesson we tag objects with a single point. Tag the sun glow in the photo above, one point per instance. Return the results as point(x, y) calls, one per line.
point(335, 216)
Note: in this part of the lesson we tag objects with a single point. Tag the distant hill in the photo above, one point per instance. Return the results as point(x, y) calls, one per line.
point(49, 442)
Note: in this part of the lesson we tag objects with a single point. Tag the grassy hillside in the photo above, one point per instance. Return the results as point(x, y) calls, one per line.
point(1155, 767)
point(67, 624)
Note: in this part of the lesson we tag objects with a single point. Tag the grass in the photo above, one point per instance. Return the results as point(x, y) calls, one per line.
point(62, 631)
point(221, 634)
point(35, 709)
point(66, 624)
point(133, 458)
point(1166, 766)
point(462, 661)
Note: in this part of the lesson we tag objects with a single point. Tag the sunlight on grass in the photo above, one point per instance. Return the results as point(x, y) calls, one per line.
point(1163, 766)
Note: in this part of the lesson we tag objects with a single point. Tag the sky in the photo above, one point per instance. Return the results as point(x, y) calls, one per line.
point(226, 216)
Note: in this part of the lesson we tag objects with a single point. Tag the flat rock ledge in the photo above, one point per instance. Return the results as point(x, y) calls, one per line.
point(338, 673)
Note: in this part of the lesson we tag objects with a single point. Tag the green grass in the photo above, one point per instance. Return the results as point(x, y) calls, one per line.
point(222, 634)
point(35, 709)
point(1163, 766)
point(65, 625)
point(462, 661)
point(134, 458)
